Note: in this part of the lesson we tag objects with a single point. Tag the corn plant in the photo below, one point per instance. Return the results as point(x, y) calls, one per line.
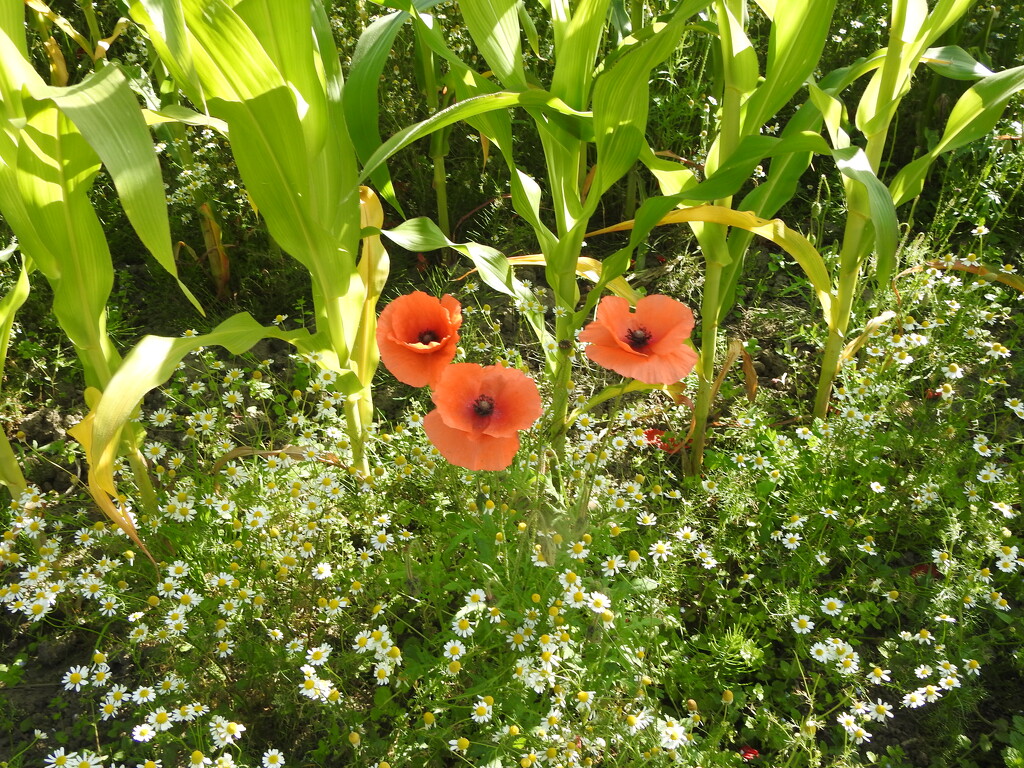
point(51, 144)
point(913, 29)
point(747, 102)
point(607, 112)
point(267, 76)
point(872, 222)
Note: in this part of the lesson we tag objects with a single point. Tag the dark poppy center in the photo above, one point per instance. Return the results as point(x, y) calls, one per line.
point(426, 337)
point(638, 338)
point(483, 405)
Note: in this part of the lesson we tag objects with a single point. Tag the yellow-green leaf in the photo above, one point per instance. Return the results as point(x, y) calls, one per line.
point(791, 241)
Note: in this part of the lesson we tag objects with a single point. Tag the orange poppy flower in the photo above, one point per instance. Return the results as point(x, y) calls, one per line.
point(479, 413)
point(646, 345)
point(417, 335)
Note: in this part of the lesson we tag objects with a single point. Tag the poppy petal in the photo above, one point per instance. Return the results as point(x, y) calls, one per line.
point(472, 450)
point(465, 389)
point(646, 345)
point(417, 336)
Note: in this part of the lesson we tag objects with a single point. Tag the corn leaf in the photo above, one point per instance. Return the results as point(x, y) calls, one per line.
point(914, 30)
point(738, 55)
point(784, 170)
point(853, 163)
point(494, 26)
point(230, 60)
point(673, 177)
point(55, 170)
point(151, 363)
point(578, 36)
point(871, 328)
point(954, 62)
point(283, 31)
point(914, 14)
point(944, 15)
point(11, 475)
point(468, 108)
point(374, 267)
point(12, 23)
point(833, 112)
point(335, 168)
point(9, 305)
point(274, 168)
point(586, 267)
point(175, 113)
point(423, 235)
point(791, 241)
point(164, 22)
point(795, 44)
point(621, 103)
point(530, 28)
point(360, 96)
point(975, 114)
point(83, 433)
point(750, 152)
point(106, 113)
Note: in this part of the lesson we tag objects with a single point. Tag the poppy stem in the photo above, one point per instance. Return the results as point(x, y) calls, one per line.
point(561, 380)
point(583, 505)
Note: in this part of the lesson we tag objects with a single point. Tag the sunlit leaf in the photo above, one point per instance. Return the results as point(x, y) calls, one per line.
point(973, 116)
point(585, 267)
point(494, 26)
point(954, 62)
point(361, 91)
point(151, 363)
point(791, 241)
point(795, 44)
point(853, 163)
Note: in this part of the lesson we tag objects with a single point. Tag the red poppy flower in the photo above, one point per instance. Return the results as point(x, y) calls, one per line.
point(479, 413)
point(657, 438)
point(417, 335)
point(926, 569)
point(646, 345)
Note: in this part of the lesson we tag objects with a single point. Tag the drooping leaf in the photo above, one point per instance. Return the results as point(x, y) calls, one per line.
point(974, 115)
point(151, 363)
point(83, 433)
point(586, 267)
point(105, 111)
point(463, 110)
point(853, 163)
point(423, 235)
point(954, 62)
point(791, 241)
